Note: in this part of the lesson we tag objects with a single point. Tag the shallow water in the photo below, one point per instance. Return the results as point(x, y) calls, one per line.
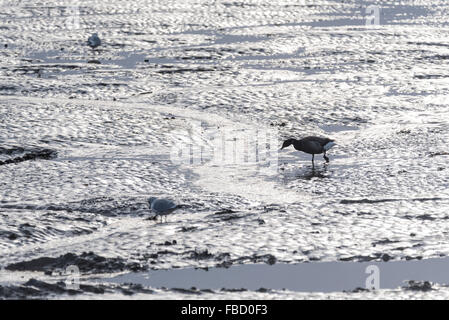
point(306, 277)
point(175, 104)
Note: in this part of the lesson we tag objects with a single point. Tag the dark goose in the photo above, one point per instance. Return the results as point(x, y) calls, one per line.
point(311, 145)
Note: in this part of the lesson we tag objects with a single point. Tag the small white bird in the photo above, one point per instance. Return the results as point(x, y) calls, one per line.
point(161, 207)
point(94, 41)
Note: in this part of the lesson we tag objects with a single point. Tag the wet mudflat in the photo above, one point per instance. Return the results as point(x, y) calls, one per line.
point(87, 136)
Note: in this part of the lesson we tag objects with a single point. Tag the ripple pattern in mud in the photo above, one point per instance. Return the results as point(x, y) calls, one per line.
point(112, 116)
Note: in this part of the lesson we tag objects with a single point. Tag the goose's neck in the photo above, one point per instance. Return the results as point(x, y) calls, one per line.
point(296, 144)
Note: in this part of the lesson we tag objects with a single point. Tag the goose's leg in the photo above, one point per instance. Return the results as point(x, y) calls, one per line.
point(313, 163)
point(325, 157)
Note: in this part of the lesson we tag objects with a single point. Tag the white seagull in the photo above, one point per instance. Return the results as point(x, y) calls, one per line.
point(161, 207)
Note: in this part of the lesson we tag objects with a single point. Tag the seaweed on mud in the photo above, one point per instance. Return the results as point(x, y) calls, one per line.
point(188, 229)
point(186, 291)
point(87, 262)
point(420, 217)
point(45, 154)
point(168, 243)
point(357, 290)
point(8, 234)
point(418, 286)
point(37, 289)
point(233, 290)
point(368, 201)
point(413, 258)
point(376, 257)
point(183, 70)
point(267, 258)
point(442, 153)
point(225, 211)
point(129, 289)
point(200, 255)
point(383, 241)
point(225, 264)
point(227, 215)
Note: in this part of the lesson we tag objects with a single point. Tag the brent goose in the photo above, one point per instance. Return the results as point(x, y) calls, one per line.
point(161, 207)
point(94, 41)
point(311, 145)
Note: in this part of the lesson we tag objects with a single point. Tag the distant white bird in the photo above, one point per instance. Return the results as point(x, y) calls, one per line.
point(161, 207)
point(94, 41)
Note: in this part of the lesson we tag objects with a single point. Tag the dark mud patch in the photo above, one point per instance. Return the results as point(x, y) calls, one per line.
point(37, 289)
point(227, 215)
point(200, 255)
point(371, 201)
point(233, 290)
point(230, 217)
point(437, 44)
point(267, 258)
point(8, 88)
point(385, 257)
point(357, 290)
point(408, 258)
point(37, 68)
point(109, 85)
point(442, 153)
point(162, 252)
point(226, 211)
point(427, 217)
point(45, 154)
point(34, 289)
point(168, 243)
point(192, 290)
point(8, 234)
point(87, 262)
point(105, 206)
point(430, 76)
point(185, 70)
point(423, 286)
point(383, 242)
point(27, 232)
point(188, 229)
point(197, 58)
point(375, 257)
point(132, 288)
